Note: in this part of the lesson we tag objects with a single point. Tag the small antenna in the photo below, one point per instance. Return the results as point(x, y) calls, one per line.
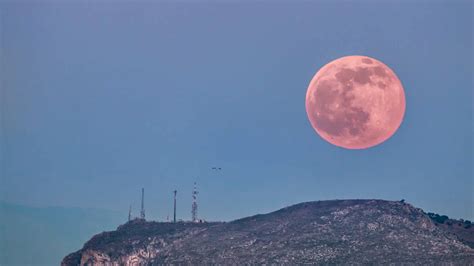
point(130, 213)
point(174, 213)
point(142, 212)
point(194, 208)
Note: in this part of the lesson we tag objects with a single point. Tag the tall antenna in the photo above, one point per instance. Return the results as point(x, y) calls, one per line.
point(194, 208)
point(130, 213)
point(174, 213)
point(142, 212)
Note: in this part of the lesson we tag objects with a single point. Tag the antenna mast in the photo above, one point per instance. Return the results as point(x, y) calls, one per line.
point(142, 212)
point(194, 209)
point(130, 213)
point(174, 213)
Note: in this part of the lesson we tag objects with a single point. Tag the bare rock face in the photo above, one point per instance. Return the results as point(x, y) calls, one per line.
point(323, 232)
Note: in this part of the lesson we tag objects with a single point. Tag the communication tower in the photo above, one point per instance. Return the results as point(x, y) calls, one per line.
point(142, 212)
point(174, 210)
point(194, 208)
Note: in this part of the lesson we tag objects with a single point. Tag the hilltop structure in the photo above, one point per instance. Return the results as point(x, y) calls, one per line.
point(142, 212)
point(174, 206)
point(194, 207)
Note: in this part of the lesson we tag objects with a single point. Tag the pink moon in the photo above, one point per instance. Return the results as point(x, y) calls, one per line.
point(355, 102)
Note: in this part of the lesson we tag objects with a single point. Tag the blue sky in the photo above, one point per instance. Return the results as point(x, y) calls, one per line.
point(99, 100)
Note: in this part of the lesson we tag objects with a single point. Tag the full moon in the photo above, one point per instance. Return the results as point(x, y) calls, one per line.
point(355, 102)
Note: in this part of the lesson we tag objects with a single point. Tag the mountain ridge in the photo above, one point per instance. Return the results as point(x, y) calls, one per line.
point(317, 232)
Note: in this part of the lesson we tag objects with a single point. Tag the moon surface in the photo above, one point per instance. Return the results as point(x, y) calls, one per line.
point(355, 102)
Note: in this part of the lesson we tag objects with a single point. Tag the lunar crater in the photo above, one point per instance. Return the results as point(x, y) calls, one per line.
point(367, 61)
point(336, 114)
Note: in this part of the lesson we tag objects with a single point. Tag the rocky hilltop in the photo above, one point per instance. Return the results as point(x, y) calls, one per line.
point(322, 232)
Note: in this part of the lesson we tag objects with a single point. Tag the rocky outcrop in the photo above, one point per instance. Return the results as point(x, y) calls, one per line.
point(323, 232)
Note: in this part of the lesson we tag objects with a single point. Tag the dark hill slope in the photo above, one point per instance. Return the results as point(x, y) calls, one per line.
point(463, 229)
point(339, 231)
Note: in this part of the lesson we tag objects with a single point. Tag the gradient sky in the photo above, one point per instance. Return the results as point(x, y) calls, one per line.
point(98, 100)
